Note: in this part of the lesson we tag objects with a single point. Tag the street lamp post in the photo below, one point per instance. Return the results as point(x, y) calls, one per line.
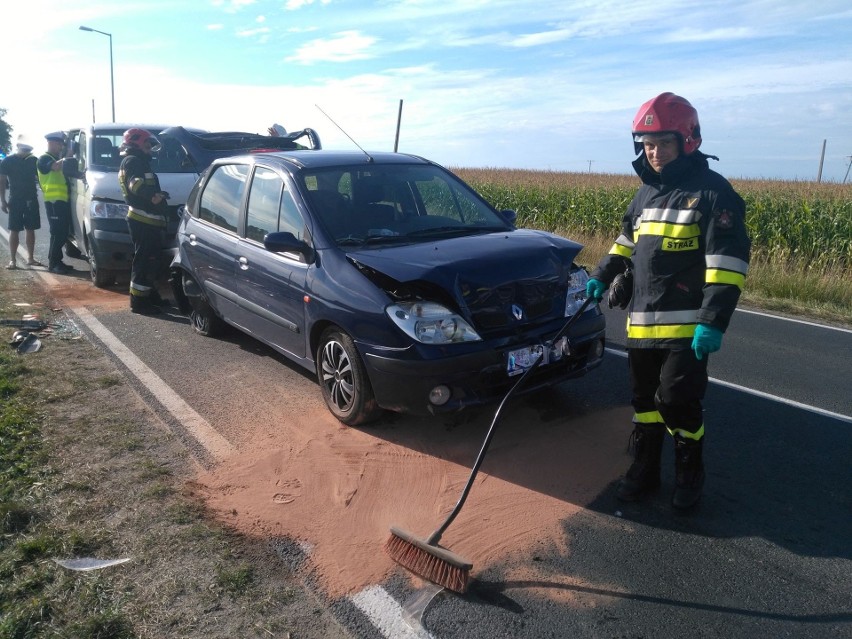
point(111, 80)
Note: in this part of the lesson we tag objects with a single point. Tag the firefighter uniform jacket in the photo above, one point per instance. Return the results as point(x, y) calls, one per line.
point(139, 184)
point(684, 233)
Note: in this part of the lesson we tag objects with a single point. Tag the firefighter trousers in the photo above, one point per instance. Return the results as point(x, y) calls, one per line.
point(668, 386)
point(147, 248)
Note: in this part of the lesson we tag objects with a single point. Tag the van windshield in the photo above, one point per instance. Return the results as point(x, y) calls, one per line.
point(106, 156)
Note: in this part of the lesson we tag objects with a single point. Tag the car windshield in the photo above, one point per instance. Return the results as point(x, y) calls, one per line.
point(396, 203)
point(106, 155)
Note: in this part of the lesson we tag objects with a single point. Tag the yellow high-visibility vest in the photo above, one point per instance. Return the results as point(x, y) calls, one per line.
point(53, 184)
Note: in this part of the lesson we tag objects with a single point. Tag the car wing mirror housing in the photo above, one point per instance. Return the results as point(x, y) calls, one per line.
point(286, 242)
point(509, 215)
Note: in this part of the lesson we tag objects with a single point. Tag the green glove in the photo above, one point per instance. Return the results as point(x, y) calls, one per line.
point(706, 340)
point(595, 288)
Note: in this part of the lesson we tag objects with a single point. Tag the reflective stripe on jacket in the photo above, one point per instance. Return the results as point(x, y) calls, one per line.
point(685, 234)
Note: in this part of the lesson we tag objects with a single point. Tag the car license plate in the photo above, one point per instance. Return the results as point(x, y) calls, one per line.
point(519, 360)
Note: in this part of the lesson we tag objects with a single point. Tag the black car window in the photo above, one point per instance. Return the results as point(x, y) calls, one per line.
point(223, 196)
point(396, 202)
point(262, 209)
point(291, 219)
point(440, 199)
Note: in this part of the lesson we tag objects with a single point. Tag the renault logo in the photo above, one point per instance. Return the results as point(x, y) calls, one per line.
point(517, 312)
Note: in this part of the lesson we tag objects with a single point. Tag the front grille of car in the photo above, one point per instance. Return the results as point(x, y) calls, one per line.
point(494, 309)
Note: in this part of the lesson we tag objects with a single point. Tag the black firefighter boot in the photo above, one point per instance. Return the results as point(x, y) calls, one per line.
point(689, 472)
point(143, 306)
point(643, 476)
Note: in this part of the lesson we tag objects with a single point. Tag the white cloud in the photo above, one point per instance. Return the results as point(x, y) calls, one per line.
point(234, 6)
point(341, 47)
point(246, 33)
point(709, 35)
point(292, 5)
point(539, 39)
point(771, 79)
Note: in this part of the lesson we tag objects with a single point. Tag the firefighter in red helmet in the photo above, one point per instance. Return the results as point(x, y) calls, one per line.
point(146, 218)
point(684, 238)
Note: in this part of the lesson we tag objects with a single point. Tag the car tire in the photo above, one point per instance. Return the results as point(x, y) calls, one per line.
point(343, 379)
point(101, 278)
point(205, 321)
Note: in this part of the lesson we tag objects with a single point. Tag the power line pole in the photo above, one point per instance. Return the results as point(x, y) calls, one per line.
point(821, 159)
point(848, 166)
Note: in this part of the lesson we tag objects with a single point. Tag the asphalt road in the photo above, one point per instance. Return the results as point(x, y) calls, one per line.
point(768, 553)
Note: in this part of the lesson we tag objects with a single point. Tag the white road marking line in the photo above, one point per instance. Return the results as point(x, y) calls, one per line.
point(382, 609)
point(757, 393)
point(385, 613)
point(216, 445)
point(795, 321)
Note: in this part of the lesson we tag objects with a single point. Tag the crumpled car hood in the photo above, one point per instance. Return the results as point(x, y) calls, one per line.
point(496, 280)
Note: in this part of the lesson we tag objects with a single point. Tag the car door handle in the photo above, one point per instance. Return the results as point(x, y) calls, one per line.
point(192, 239)
point(243, 263)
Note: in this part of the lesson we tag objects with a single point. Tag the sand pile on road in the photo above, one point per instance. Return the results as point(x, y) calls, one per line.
point(338, 490)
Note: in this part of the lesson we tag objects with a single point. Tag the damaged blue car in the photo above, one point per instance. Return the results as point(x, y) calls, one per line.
point(385, 275)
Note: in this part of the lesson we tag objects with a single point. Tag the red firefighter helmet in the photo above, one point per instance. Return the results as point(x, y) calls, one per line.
point(136, 139)
point(668, 113)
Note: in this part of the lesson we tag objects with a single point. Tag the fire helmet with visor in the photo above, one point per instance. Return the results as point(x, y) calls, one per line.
point(667, 113)
point(136, 138)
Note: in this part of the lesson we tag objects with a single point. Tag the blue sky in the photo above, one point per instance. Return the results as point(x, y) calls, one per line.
point(550, 85)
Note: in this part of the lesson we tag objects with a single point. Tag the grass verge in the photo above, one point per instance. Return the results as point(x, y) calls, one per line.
point(87, 470)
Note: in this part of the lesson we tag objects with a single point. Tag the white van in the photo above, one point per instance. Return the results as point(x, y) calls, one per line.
point(99, 224)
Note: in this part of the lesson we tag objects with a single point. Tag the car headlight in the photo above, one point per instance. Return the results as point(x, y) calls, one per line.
point(431, 323)
point(576, 294)
point(108, 210)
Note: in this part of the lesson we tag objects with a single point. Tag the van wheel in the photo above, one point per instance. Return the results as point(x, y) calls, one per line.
point(343, 379)
point(100, 277)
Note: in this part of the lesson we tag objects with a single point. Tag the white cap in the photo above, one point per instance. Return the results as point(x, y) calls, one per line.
point(23, 143)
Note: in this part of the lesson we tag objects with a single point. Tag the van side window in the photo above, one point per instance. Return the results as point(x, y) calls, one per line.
point(82, 154)
point(223, 195)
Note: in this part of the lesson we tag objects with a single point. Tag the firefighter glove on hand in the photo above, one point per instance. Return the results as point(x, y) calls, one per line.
point(706, 340)
point(595, 288)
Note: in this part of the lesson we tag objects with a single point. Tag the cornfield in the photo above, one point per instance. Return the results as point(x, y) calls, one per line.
point(801, 232)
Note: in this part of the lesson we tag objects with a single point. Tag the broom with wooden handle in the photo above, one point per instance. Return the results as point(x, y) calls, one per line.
point(422, 555)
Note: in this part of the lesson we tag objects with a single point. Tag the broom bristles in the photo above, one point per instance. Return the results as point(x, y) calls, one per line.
point(433, 563)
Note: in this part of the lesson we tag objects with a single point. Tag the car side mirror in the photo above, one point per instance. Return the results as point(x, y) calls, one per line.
point(509, 215)
point(286, 242)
